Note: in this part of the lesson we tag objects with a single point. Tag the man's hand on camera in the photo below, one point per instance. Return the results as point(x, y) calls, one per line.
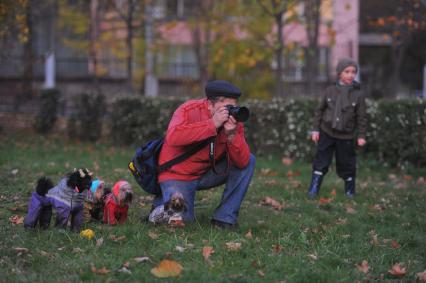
point(230, 127)
point(220, 117)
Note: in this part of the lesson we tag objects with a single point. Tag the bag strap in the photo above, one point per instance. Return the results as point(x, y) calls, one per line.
point(213, 162)
point(185, 155)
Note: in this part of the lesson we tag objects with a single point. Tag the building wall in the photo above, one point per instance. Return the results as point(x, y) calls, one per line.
point(346, 26)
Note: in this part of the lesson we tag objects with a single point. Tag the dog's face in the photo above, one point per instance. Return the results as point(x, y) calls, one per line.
point(125, 195)
point(80, 180)
point(176, 203)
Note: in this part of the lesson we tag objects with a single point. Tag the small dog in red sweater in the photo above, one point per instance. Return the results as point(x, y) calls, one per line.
point(117, 203)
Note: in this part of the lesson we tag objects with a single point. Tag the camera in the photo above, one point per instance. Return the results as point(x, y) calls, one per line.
point(241, 114)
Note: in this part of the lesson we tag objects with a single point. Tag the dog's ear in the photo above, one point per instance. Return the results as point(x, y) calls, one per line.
point(167, 205)
point(73, 179)
point(43, 185)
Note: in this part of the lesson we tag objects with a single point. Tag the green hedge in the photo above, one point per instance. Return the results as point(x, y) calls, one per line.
point(397, 129)
point(47, 111)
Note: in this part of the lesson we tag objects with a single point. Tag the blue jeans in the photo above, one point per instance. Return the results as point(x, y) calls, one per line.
point(237, 182)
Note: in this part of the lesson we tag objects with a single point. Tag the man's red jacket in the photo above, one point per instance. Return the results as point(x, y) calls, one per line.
point(192, 123)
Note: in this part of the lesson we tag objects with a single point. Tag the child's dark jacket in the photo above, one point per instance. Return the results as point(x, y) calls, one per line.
point(342, 112)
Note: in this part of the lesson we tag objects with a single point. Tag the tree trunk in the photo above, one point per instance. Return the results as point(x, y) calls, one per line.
point(28, 75)
point(130, 8)
point(93, 56)
point(279, 84)
point(312, 16)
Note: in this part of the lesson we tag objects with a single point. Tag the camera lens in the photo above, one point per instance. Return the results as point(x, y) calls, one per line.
point(241, 114)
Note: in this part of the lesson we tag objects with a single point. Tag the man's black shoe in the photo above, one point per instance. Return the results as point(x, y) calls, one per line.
point(223, 225)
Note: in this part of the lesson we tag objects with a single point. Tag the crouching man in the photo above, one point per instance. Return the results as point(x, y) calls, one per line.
point(226, 160)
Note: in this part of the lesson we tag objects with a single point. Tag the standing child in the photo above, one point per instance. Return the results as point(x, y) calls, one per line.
point(340, 120)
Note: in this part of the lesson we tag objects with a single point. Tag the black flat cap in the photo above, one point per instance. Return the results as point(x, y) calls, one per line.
point(222, 88)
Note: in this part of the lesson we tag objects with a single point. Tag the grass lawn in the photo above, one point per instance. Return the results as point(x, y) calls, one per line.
point(294, 240)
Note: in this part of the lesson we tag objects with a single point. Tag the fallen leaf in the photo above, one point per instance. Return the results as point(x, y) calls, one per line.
point(325, 200)
point(363, 267)
point(272, 202)
point(261, 273)
point(421, 181)
point(268, 172)
point(16, 219)
point(46, 254)
point(207, 251)
point(21, 250)
point(350, 210)
point(377, 207)
point(180, 249)
point(15, 171)
point(77, 250)
point(152, 235)
point(141, 259)
point(287, 161)
point(313, 256)
point(272, 182)
point(99, 241)
point(117, 238)
point(277, 248)
point(395, 245)
point(408, 177)
point(397, 270)
point(421, 276)
point(167, 268)
point(233, 246)
point(102, 270)
point(249, 235)
point(124, 270)
point(374, 241)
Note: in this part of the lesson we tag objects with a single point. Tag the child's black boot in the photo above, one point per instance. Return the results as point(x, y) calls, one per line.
point(350, 187)
point(315, 184)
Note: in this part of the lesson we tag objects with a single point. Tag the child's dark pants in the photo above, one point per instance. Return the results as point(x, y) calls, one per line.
point(345, 156)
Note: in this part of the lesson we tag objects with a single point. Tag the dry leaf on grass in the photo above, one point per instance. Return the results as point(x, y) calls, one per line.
point(313, 256)
point(350, 210)
point(268, 172)
point(167, 268)
point(21, 250)
point(141, 259)
point(124, 270)
point(180, 249)
point(277, 248)
point(397, 270)
point(272, 202)
point(102, 270)
point(77, 250)
point(16, 219)
point(207, 251)
point(233, 246)
point(249, 235)
point(117, 238)
point(99, 242)
point(261, 273)
point(152, 235)
point(287, 161)
point(421, 276)
point(325, 200)
point(363, 267)
point(395, 245)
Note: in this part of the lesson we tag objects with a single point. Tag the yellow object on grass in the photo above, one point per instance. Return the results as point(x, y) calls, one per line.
point(88, 233)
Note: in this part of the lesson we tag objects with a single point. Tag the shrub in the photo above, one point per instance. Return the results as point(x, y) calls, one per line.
point(137, 120)
point(396, 129)
point(86, 124)
point(47, 114)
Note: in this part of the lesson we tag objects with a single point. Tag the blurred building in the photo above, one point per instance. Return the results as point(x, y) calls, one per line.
point(175, 67)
